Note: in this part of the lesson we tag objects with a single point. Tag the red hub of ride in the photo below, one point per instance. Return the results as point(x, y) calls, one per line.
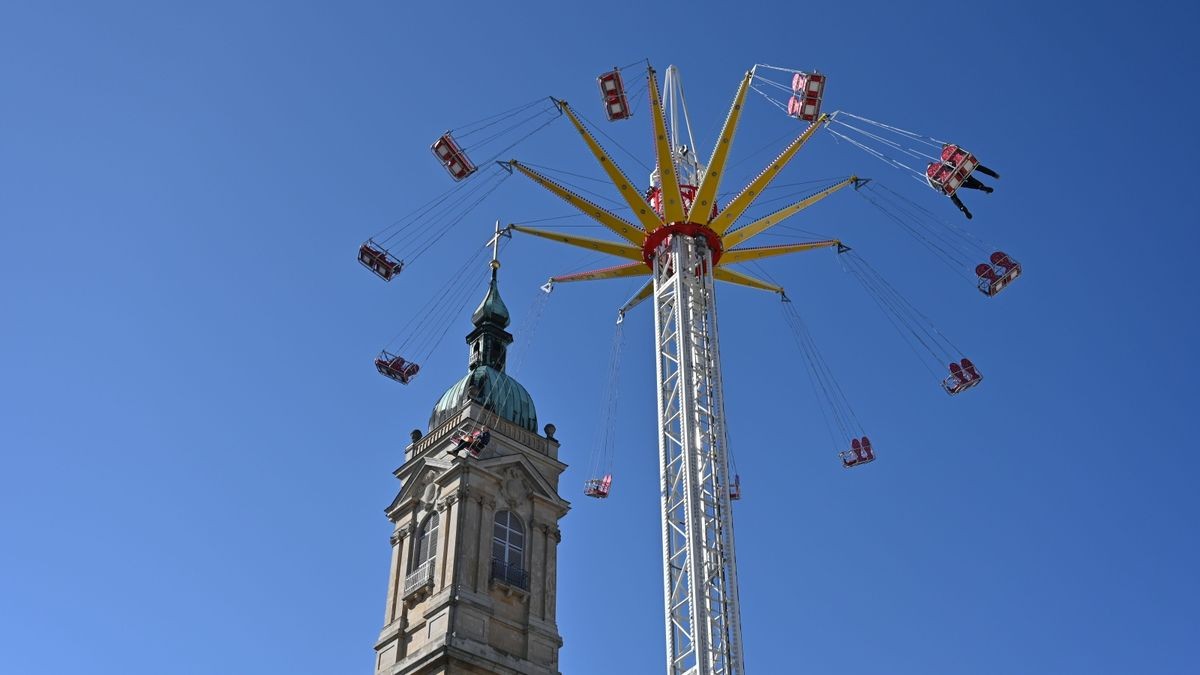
point(661, 235)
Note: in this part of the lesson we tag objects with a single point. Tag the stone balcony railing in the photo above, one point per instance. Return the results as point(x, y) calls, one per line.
point(420, 579)
point(510, 573)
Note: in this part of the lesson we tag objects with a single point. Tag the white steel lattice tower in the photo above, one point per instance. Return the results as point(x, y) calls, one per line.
point(703, 627)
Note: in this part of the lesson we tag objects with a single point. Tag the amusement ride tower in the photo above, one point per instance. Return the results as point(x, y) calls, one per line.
point(682, 240)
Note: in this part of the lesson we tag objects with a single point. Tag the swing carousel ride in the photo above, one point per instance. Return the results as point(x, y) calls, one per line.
point(682, 237)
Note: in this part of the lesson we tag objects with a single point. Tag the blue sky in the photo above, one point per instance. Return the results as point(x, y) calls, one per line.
point(198, 450)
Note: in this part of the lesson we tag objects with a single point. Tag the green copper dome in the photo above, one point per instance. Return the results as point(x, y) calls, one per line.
point(496, 391)
point(486, 382)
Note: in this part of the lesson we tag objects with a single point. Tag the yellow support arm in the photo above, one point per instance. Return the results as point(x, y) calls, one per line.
point(609, 247)
point(741, 234)
point(758, 253)
point(728, 275)
point(601, 215)
point(633, 196)
point(627, 270)
point(639, 297)
point(716, 164)
point(672, 203)
point(740, 203)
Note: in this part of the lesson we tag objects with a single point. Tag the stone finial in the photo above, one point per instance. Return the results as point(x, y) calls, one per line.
point(550, 429)
point(415, 435)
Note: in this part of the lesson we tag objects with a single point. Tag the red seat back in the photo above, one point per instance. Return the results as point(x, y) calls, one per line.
point(985, 271)
point(814, 85)
point(957, 372)
point(951, 153)
point(970, 369)
point(444, 148)
point(611, 83)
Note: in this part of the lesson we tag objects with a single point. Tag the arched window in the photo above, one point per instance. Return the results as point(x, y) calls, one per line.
point(425, 547)
point(508, 541)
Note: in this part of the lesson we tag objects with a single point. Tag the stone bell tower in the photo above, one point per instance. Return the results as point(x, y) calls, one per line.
point(474, 549)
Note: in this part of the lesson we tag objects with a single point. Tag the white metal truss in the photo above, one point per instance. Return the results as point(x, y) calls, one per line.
point(703, 625)
point(686, 157)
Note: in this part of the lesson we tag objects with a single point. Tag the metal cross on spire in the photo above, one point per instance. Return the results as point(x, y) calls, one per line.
point(494, 242)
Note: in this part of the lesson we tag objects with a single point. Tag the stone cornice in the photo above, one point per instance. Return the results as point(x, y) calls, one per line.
point(498, 425)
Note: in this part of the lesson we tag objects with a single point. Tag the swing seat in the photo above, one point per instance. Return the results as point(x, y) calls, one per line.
point(808, 89)
point(598, 487)
point(946, 178)
point(949, 174)
point(378, 260)
point(807, 108)
point(963, 376)
point(808, 84)
point(612, 90)
point(735, 490)
point(959, 158)
point(860, 452)
point(997, 275)
point(396, 368)
point(473, 442)
point(452, 157)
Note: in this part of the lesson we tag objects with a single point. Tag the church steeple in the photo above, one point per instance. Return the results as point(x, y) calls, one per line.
point(486, 382)
point(489, 341)
point(472, 587)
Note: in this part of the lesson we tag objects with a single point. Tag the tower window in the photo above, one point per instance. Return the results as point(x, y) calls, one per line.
point(508, 540)
point(426, 545)
point(508, 550)
point(420, 571)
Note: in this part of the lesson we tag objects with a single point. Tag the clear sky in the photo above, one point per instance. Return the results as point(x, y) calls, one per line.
point(197, 450)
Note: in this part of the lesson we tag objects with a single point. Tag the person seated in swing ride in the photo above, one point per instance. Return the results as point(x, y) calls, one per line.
point(473, 442)
point(975, 184)
point(955, 171)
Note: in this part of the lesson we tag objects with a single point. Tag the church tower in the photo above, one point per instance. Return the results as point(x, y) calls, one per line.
point(474, 546)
